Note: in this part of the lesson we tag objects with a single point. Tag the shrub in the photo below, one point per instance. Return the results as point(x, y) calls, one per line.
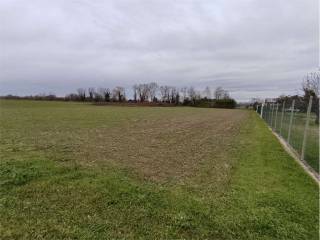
point(224, 103)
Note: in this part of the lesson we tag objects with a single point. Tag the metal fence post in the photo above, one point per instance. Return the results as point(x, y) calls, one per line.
point(261, 113)
point(282, 116)
point(304, 142)
point(269, 113)
point(291, 119)
point(276, 118)
point(266, 113)
point(272, 115)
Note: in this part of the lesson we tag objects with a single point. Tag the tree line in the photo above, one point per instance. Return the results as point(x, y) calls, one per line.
point(146, 93)
point(149, 92)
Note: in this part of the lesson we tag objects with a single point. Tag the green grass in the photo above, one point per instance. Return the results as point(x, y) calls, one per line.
point(58, 180)
point(297, 133)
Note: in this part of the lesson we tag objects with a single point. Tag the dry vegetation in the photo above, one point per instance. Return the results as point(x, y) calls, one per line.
point(165, 148)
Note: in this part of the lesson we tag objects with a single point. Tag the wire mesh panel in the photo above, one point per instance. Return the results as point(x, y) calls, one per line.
point(312, 142)
point(285, 125)
point(297, 122)
point(269, 113)
point(298, 125)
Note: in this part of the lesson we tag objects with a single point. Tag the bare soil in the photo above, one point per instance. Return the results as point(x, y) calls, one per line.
point(167, 148)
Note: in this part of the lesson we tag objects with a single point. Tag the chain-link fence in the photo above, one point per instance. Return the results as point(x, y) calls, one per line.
point(297, 123)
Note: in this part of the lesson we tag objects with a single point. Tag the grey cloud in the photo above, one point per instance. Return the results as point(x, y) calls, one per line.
point(254, 48)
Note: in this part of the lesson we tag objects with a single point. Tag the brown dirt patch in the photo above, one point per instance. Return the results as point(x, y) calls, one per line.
point(167, 148)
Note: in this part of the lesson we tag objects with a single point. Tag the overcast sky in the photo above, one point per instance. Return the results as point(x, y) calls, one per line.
point(253, 48)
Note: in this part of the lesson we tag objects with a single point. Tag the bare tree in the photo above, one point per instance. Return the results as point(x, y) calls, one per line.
point(81, 94)
point(135, 92)
point(91, 92)
point(118, 94)
point(220, 93)
point(174, 95)
point(311, 86)
point(105, 94)
point(152, 88)
point(255, 102)
point(192, 94)
point(207, 92)
point(165, 93)
point(146, 92)
point(226, 95)
point(312, 82)
point(143, 92)
point(184, 92)
point(72, 97)
point(97, 96)
point(177, 97)
point(198, 95)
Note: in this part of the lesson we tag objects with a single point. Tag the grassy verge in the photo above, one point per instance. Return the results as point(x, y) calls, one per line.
point(270, 197)
point(297, 134)
point(266, 196)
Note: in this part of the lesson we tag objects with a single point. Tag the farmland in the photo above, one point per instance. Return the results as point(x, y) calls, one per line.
point(79, 171)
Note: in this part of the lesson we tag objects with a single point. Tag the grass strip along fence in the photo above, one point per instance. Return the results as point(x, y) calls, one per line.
point(297, 125)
